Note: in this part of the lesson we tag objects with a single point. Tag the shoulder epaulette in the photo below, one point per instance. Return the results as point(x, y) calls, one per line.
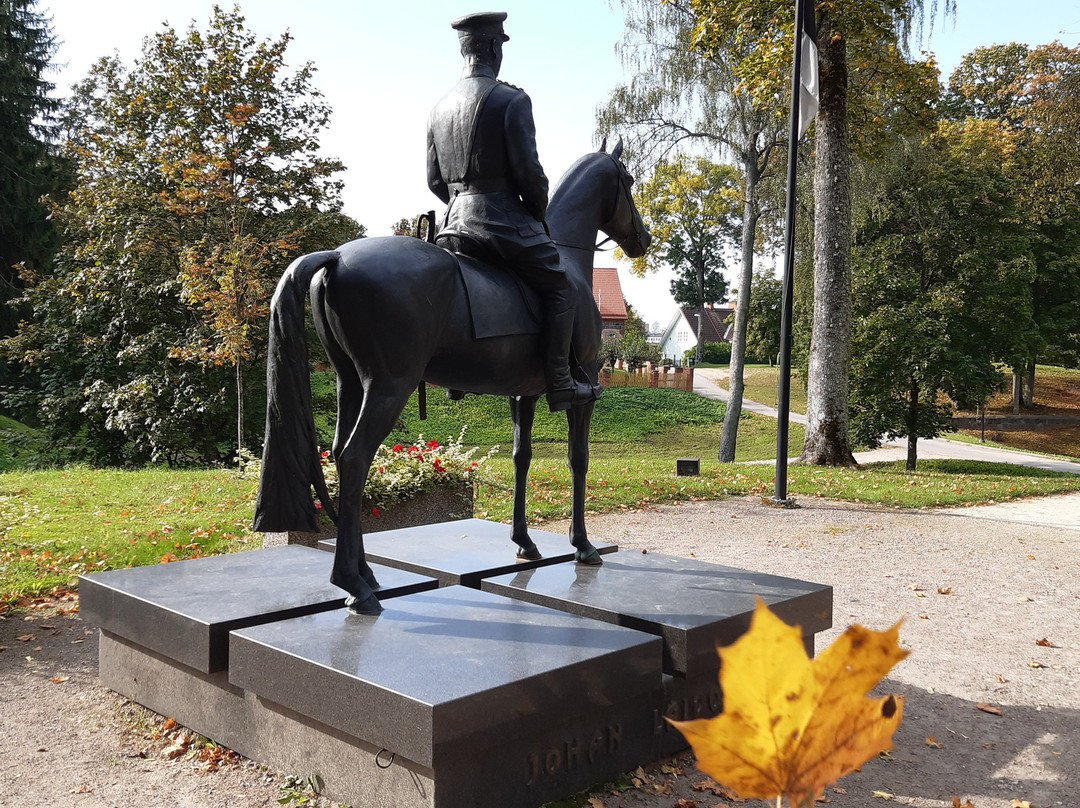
point(511, 86)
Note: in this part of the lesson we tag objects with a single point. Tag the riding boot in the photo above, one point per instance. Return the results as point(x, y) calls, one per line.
point(563, 390)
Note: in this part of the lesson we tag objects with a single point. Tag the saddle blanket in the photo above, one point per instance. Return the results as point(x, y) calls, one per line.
point(500, 303)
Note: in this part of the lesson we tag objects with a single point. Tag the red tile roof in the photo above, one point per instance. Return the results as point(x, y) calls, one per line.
point(607, 292)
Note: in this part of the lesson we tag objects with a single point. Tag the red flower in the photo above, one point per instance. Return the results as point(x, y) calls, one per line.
point(413, 449)
point(398, 447)
point(433, 443)
point(325, 454)
point(318, 504)
point(374, 511)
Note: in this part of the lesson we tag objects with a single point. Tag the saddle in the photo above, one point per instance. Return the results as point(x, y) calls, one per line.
point(500, 303)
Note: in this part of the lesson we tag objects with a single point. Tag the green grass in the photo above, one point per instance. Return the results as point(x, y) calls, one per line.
point(57, 524)
point(759, 384)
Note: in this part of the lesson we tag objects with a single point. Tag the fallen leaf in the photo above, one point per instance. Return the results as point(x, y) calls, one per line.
point(58, 679)
point(1019, 804)
point(989, 708)
point(168, 724)
point(25, 637)
point(965, 804)
point(1035, 664)
point(932, 742)
point(596, 802)
point(790, 725)
point(1045, 643)
point(681, 803)
point(944, 590)
point(84, 789)
point(1023, 600)
point(883, 795)
point(1001, 679)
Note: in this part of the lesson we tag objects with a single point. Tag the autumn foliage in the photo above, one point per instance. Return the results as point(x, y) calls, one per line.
point(792, 725)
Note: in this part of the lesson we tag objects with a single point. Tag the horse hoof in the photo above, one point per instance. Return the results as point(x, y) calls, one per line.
point(531, 554)
point(369, 605)
point(591, 558)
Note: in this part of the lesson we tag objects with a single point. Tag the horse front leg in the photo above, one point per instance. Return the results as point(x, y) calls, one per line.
point(579, 421)
point(522, 412)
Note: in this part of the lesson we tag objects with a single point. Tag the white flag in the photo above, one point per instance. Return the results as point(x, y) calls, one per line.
point(808, 68)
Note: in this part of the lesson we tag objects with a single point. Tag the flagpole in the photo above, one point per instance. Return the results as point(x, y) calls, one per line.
point(783, 387)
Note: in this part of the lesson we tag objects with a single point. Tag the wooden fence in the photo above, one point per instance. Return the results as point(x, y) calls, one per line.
point(649, 376)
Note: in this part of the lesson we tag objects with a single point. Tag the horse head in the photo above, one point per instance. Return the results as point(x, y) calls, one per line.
point(625, 225)
point(594, 195)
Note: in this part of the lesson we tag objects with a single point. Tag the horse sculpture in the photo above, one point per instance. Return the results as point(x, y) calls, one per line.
point(392, 312)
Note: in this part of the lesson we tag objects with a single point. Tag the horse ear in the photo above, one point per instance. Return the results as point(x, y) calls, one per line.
point(603, 145)
point(617, 151)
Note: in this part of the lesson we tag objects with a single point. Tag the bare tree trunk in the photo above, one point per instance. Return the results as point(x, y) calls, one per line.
point(912, 426)
point(239, 407)
point(1029, 389)
point(1017, 390)
point(827, 442)
point(730, 431)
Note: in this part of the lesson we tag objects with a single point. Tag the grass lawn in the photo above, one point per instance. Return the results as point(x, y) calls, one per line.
point(57, 524)
point(1057, 392)
point(759, 384)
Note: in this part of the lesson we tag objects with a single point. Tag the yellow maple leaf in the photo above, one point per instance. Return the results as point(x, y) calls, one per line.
point(791, 726)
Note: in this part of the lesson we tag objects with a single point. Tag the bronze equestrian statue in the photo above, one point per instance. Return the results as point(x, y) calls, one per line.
point(392, 312)
point(482, 163)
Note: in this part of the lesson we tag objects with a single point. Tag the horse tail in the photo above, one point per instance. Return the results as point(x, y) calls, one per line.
point(290, 465)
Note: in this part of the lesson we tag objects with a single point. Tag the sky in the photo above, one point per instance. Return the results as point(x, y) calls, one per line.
point(383, 65)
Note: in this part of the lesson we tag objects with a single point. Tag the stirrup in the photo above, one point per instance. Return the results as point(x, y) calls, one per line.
point(566, 397)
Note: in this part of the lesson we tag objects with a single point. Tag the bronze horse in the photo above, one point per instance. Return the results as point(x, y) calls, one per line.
point(394, 311)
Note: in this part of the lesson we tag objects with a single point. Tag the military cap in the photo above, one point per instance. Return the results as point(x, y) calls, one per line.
point(482, 23)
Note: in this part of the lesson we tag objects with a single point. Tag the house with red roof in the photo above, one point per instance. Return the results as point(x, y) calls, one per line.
point(607, 292)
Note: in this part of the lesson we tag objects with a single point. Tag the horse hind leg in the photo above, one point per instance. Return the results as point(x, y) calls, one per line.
point(382, 404)
point(579, 421)
point(522, 413)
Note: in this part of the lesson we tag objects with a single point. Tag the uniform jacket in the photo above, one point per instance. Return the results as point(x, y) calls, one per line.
point(482, 162)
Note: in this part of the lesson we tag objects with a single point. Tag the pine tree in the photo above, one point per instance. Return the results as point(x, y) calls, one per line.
point(28, 168)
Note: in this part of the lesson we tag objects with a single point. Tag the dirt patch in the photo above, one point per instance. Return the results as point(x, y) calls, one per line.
point(70, 742)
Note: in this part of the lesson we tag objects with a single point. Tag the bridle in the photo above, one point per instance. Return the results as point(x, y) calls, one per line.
point(623, 189)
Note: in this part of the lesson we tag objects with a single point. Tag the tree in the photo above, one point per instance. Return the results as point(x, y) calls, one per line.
point(940, 271)
point(29, 168)
point(197, 178)
point(1034, 92)
point(864, 78)
point(763, 324)
point(680, 94)
point(691, 207)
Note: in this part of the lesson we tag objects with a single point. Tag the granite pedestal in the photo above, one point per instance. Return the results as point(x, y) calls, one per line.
point(551, 678)
point(693, 605)
point(464, 551)
point(498, 702)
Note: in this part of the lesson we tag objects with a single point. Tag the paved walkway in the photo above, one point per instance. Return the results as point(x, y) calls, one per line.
point(1062, 510)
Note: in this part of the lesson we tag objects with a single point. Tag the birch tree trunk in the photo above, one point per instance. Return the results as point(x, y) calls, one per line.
point(730, 431)
point(827, 442)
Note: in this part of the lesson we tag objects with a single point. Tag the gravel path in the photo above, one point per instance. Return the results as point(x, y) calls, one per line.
point(977, 597)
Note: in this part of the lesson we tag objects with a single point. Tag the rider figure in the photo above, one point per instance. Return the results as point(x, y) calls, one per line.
point(482, 162)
